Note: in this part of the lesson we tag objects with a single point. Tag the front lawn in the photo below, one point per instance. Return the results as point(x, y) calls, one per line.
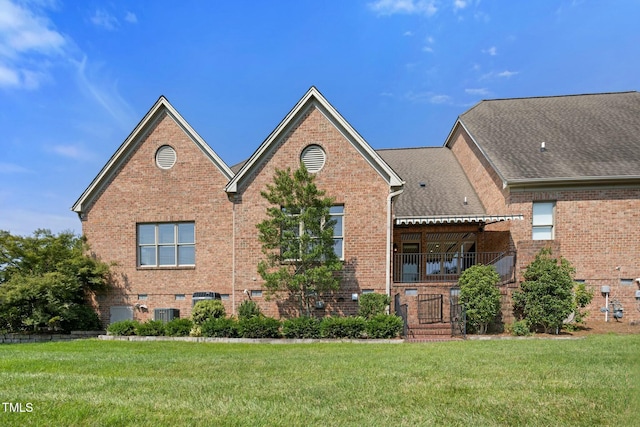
point(591, 381)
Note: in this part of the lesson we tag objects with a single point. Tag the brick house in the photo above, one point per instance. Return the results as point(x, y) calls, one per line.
point(512, 177)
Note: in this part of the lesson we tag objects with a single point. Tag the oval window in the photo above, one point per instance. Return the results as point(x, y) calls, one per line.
point(165, 157)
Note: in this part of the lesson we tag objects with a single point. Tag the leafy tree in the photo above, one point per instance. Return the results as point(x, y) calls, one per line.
point(45, 280)
point(480, 295)
point(297, 239)
point(545, 298)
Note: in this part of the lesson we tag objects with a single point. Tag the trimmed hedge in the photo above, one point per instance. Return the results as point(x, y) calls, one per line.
point(384, 326)
point(178, 328)
point(259, 327)
point(342, 327)
point(220, 328)
point(123, 328)
point(301, 327)
point(150, 328)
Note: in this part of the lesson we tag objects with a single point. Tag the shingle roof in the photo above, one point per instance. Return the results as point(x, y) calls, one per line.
point(445, 184)
point(586, 136)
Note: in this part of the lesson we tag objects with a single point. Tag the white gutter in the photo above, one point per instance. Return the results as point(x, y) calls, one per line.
point(233, 258)
point(389, 247)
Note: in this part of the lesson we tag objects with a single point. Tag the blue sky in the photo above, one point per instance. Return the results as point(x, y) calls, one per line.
point(77, 76)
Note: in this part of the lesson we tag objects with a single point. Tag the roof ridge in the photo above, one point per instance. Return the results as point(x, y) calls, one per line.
point(559, 96)
point(408, 148)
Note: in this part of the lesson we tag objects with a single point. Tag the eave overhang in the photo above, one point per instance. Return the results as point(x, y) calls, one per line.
point(456, 219)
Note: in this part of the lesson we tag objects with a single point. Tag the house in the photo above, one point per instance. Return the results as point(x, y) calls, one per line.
point(512, 177)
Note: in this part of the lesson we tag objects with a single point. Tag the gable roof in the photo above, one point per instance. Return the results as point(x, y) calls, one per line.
point(436, 189)
point(314, 99)
point(591, 138)
point(161, 107)
point(435, 183)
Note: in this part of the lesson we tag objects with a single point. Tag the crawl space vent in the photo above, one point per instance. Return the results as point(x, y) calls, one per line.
point(165, 157)
point(313, 158)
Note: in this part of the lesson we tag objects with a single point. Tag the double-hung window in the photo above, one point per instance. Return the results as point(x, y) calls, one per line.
point(543, 220)
point(166, 244)
point(336, 214)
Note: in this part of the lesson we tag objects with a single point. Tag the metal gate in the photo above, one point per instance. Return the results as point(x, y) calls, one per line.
point(457, 314)
point(401, 311)
point(429, 308)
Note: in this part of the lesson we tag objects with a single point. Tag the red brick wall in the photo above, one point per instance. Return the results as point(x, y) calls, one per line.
point(597, 229)
point(140, 192)
point(346, 177)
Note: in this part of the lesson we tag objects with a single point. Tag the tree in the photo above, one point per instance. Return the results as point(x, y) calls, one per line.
point(45, 280)
point(545, 298)
point(480, 295)
point(297, 239)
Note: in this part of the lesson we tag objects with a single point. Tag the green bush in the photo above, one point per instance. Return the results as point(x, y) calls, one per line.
point(80, 318)
point(384, 326)
point(178, 328)
point(545, 298)
point(301, 327)
point(207, 309)
point(519, 328)
point(259, 327)
point(248, 309)
point(222, 327)
point(150, 328)
point(480, 295)
point(123, 328)
point(373, 304)
point(342, 327)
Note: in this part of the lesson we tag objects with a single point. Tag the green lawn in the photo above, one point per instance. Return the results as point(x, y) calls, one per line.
point(592, 381)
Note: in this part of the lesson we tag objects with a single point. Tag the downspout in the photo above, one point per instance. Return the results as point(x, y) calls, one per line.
point(233, 256)
point(389, 236)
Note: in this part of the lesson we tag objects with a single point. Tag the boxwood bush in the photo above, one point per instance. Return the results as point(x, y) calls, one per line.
point(150, 328)
point(342, 327)
point(384, 326)
point(301, 327)
point(259, 327)
point(123, 328)
point(373, 304)
point(220, 328)
point(178, 328)
point(207, 309)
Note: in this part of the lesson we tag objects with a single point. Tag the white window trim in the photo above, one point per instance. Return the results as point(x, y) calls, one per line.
point(301, 230)
point(176, 244)
point(543, 226)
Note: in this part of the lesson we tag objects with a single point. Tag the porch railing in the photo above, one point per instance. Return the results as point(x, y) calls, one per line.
point(447, 266)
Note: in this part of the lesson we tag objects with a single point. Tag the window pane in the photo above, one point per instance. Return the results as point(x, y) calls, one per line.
point(186, 233)
point(186, 255)
point(166, 233)
point(167, 255)
point(543, 213)
point(336, 209)
point(146, 234)
point(337, 247)
point(337, 228)
point(542, 233)
point(148, 255)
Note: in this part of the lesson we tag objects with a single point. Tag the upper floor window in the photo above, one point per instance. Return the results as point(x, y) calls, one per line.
point(543, 220)
point(336, 214)
point(166, 244)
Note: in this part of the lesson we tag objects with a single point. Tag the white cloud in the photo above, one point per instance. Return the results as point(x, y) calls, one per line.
point(410, 7)
point(74, 152)
point(492, 51)
point(10, 168)
point(102, 18)
point(28, 42)
point(478, 92)
point(459, 4)
point(131, 18)
point(428, 97)
point(503, 74)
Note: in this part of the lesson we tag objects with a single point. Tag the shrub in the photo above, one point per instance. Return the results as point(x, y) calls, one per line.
point(123, 328)
point(582, 298)
point(248, 309)
point(480, 296)
point(342, 327)
point(222, 327)
point(207, 309)
point(259, 327)
point(384, 326)
point(178, 328)
point(80, 318)
point(150, 328)
point(301, 327)
point(373, 304)
point(519, 328)
point(545, 298)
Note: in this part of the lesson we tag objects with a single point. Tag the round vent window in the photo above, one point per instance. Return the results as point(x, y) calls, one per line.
point(313, 158)
point(165, 157)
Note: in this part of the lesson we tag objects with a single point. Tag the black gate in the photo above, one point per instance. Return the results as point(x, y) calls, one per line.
point(457, 314)
point(401, 311)
point(429, 308)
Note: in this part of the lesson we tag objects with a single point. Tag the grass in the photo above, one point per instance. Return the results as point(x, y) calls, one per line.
point(592, 381)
